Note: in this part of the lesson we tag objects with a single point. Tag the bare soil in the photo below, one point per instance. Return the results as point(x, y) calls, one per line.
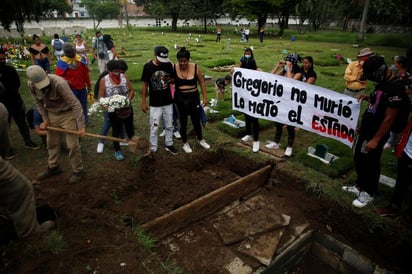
point(96, 216)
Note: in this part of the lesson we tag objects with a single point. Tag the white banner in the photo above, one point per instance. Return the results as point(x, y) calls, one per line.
point(277, 98)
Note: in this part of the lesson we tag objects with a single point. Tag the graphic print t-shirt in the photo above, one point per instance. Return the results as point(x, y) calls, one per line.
point(158, 79)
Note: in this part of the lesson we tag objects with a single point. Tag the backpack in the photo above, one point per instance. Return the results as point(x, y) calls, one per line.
point(107, 39)
point(58, 45)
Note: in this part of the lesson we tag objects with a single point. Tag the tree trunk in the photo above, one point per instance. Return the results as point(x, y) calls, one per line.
point(175, 16)
point(362, 29)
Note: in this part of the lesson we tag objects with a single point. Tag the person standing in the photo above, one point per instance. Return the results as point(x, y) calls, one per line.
point(73, 68)
point(116, 83)
point(252, 123)
point(12, 100)
point(354, 86)
point(57, 46)
point(288, 68)
point(247, 33)
point(58, 107)
point(187, 75)
point(386, 104)
point(308, 74)
point(404, 170)
point(218, 33)
point(103, 50)
point(261, 33)
point(157, 76)
point(81, 47)
point(40, 54)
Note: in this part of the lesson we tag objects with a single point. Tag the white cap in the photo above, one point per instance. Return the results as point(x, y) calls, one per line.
point(37, 76)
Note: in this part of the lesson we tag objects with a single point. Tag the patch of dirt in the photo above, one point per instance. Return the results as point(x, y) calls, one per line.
point(95, 216)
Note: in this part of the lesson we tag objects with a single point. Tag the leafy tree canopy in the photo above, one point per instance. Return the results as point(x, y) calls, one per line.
point(19, 11)
point(102, 9)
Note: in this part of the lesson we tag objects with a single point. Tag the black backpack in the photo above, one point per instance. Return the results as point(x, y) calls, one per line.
point(107, 39)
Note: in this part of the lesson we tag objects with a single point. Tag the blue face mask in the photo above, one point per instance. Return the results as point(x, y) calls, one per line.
point(100, 38)
point(248, 56)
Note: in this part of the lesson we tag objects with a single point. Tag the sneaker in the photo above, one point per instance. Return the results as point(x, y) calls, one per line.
point(387, 145)
point(256, 146)
point(352, 189)
point(390, 210)
point(363, 199)
point(49, 172)
point(46, 226)
point(172, 150)
point(177, 134)
point(272, 145)
point(32, 145)
point(100, 147)
point(204, 144)
point(76, 177)
point(288, 152)
point(162, 134)
point(119, 156)
point(186, 148)
point(246, 138)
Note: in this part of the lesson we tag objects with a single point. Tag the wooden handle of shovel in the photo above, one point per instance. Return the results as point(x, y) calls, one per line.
point(88, 134)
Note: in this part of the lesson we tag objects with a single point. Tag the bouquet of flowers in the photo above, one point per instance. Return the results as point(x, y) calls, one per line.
point(109, 104)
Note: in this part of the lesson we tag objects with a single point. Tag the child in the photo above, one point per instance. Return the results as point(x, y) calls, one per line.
point(220, 85)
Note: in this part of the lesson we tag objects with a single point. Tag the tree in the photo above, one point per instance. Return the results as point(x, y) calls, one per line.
point(164, 8)
point(362, 28)
point(19, 11)
point(102, 9)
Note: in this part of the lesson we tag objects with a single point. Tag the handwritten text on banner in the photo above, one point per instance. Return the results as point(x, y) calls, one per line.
point(277, 98)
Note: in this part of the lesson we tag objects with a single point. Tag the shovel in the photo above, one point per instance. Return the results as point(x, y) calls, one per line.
point(137, 145)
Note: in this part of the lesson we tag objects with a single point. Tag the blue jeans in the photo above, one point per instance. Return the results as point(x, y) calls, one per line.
point(107, 125)
point(81, 94)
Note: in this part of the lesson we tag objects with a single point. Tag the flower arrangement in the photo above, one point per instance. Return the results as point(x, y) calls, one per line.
point(109, 104)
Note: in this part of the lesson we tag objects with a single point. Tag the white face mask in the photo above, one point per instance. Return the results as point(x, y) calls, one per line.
point(248, 56)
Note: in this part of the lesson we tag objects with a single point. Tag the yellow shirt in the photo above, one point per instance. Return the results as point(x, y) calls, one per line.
point(353, 73)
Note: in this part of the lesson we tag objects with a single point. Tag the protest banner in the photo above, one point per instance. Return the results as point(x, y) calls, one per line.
point(277, 98)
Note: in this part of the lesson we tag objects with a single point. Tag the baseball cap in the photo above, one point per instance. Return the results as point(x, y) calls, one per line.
point(162, 54)
point(68, 48)
point(37, 76)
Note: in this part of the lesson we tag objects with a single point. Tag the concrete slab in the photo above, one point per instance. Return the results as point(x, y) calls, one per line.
point(262, 247)
point(236, 228)
point(237, 266)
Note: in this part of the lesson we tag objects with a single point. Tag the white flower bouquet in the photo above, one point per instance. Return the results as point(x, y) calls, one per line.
point(109, 104)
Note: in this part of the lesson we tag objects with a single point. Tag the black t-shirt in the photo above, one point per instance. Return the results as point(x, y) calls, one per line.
point(389, 94)
point(158, 80)
point(306, 75)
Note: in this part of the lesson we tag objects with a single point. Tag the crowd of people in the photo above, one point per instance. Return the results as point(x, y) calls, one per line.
point(176, 91)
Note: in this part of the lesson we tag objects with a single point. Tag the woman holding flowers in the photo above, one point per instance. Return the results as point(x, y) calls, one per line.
point(116, 93)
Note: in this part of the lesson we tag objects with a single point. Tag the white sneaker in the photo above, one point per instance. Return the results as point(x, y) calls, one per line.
point(256, 146)
point(288, 152)
point(352, 189)
point(363, 199)
point(246, 138)
point(186, 148)
point(204, 144)
point(162, 134)
point(100, 147)
point(177, 134)
point(272, 145)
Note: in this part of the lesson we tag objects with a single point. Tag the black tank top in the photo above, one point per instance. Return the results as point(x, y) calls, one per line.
point(179, 82)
